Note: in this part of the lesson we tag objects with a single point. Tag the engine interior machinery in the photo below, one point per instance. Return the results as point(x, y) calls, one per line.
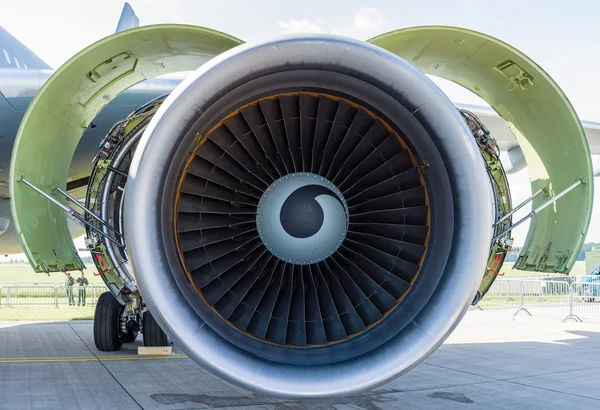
point(305, 217)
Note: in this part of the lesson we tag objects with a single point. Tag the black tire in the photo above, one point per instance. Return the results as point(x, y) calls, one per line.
point(130, 336)
point(153, 334)
point(107, 335)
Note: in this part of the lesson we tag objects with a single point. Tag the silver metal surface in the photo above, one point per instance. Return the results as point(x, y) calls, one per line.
point(301, 251)
point(22, 85)
point(558, 196)
point(452, 297)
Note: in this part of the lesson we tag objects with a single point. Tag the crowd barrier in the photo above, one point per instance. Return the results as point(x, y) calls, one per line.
point(573, 296)
point(48, 295)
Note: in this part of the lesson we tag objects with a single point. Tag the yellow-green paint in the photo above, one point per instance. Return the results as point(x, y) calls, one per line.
point(547, 128)
point(544, 121)
point(67, 103)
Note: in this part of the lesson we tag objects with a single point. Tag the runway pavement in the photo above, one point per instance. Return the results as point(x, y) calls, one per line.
point(492, 361)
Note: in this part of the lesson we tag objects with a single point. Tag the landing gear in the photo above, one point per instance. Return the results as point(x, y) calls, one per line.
point(131, 335)
point(107, 324)
point(113, 327)
point(153, 334)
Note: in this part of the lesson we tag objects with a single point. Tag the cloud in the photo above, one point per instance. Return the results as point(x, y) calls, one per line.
point(369, 19)
point(365, 23)
point(301, 26)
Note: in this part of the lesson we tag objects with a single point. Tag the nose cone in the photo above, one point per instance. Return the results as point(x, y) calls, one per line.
point(302, 218)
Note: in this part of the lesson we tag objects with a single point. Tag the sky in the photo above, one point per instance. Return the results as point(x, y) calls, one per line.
point(562, 37)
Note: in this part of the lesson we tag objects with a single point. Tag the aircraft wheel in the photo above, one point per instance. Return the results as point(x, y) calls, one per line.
point(107, 333)
point(153, 334)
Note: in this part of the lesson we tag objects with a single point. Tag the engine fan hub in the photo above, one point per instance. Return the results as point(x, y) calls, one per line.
point(302, 218)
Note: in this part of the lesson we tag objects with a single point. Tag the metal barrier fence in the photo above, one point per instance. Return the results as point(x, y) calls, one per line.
point(573, 296)
point(48, 295)
point(569, 295)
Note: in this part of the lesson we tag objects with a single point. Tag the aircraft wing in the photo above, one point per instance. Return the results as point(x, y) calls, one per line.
point(502, 133)
point(592, 130)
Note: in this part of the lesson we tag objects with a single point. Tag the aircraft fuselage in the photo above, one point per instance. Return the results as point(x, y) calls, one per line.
point(17, 90)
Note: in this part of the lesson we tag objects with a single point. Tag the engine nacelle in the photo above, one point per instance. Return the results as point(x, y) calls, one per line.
point(297, 211)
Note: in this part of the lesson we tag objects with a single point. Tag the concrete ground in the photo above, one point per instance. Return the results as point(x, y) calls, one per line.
point(492, 361)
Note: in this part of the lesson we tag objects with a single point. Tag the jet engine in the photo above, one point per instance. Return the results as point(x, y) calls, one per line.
point(306, 217)
point(296, 211)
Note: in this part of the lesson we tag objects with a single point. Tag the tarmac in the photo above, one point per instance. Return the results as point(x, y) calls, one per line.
point(492, 361)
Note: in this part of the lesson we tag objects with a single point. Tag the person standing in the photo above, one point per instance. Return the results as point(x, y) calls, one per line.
point(83, 283)
point(69, 281)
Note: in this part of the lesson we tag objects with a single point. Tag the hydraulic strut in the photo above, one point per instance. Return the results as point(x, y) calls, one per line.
point(521, 205)
point(93, 215)
point(539, 208)
point(72, 212)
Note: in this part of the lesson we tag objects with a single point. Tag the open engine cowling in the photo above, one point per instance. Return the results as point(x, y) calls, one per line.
point(273, 156)
point(350, 289)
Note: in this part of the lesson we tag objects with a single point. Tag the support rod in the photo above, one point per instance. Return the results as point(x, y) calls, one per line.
point(116, 171)
point(93, 215)
point(539, 208)
point(69, 211)
point(521, 205)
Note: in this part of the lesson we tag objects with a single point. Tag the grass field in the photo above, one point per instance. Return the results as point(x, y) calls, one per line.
point(24, 274)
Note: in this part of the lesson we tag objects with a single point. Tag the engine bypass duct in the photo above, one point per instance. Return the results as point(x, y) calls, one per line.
point(297, 213)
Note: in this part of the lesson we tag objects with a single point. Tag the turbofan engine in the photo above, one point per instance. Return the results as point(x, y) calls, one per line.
point(296, 211)
point(306, 217)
